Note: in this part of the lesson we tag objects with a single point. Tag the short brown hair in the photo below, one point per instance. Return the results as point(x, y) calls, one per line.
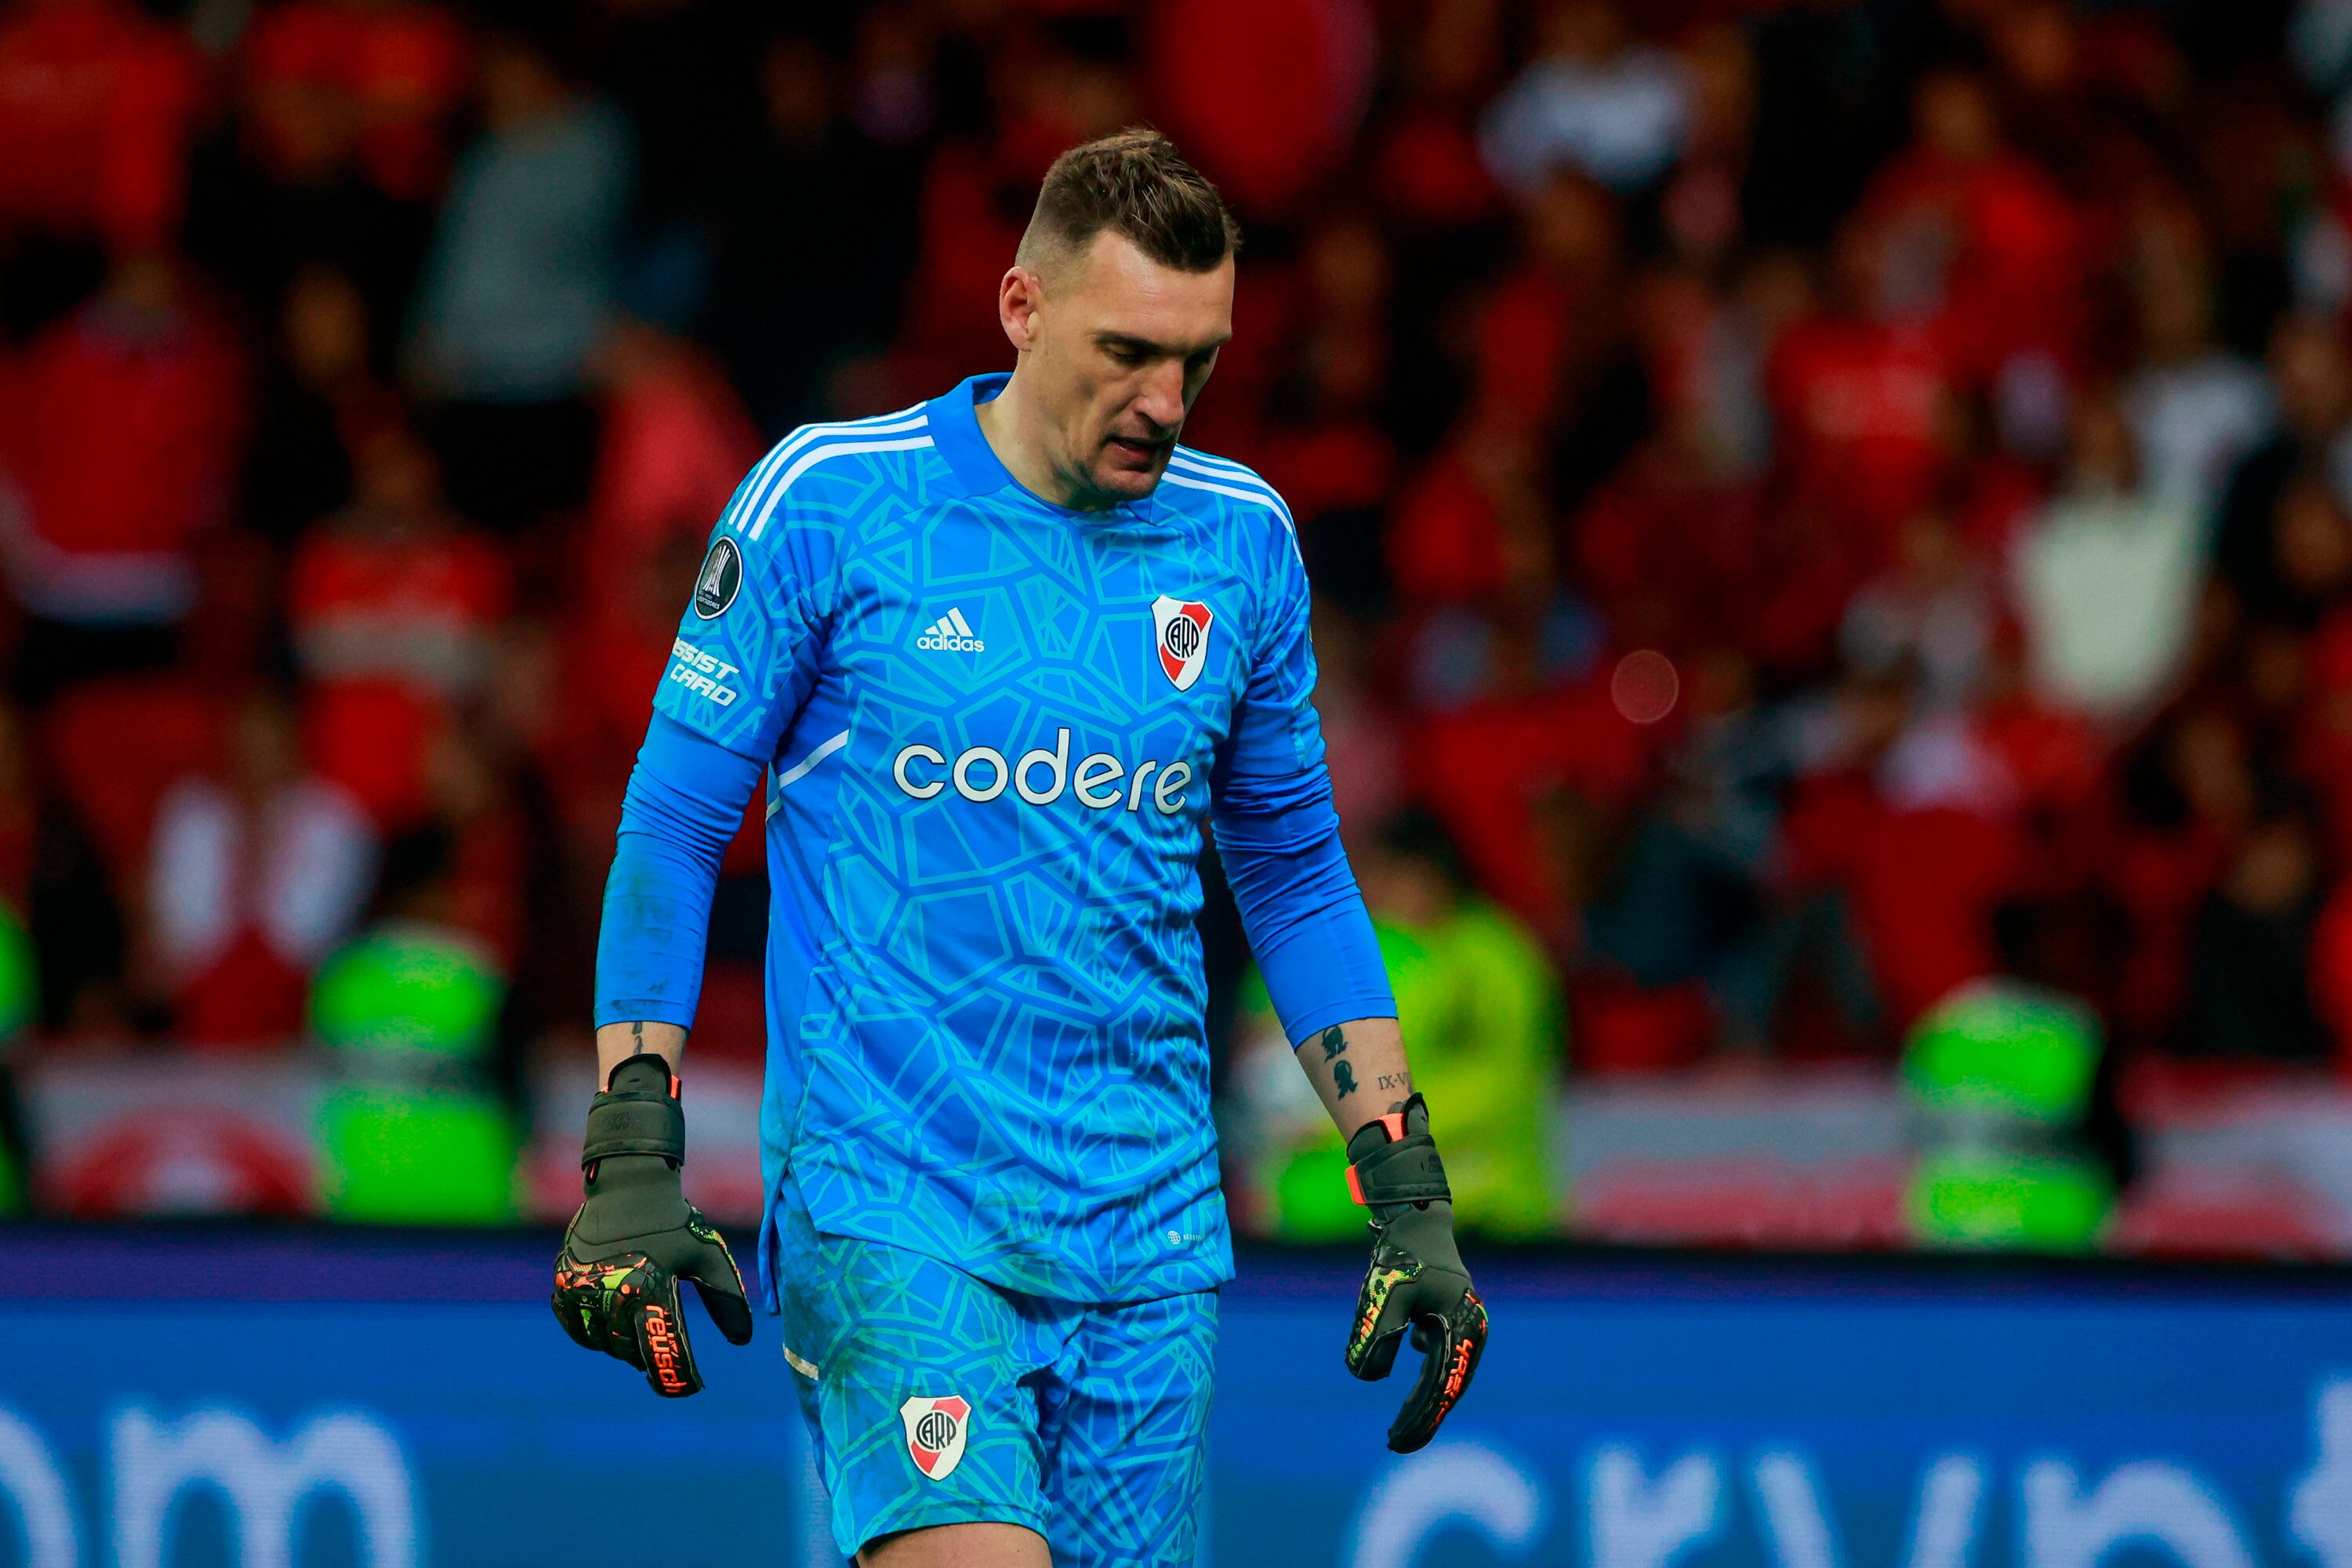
point(1138, 185)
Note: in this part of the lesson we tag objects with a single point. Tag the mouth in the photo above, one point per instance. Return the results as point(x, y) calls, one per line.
point(1137, 451)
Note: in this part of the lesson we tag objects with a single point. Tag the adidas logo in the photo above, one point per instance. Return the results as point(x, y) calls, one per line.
point(951, 634)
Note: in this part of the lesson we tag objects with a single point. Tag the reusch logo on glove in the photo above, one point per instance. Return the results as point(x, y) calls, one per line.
point(936, 1426)
point(661, 1343)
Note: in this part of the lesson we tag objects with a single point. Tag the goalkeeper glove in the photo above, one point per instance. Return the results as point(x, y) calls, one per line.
point(635, 1236)
point(1416, 1279)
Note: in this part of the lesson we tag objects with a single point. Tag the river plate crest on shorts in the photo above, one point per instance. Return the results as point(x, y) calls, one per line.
point(936, 1426)
point(1181, 633)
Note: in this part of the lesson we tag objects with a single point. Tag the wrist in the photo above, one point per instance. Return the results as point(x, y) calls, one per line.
point(1392, 1162)
point(618, 1042)
point(636, 1114)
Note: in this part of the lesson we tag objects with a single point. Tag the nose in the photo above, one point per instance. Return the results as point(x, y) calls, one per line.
point(1160, 398)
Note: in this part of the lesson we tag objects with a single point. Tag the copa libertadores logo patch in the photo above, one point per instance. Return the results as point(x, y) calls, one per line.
point(721, 579)
point(936, 1426)
point(1181, 633)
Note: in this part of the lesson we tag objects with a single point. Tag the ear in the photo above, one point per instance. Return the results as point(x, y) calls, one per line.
point(1019, 298)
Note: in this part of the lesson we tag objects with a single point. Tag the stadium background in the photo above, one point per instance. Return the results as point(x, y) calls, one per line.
point(1832, 529)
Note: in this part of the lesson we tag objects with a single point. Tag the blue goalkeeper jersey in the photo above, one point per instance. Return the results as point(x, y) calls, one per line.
point(995, 729)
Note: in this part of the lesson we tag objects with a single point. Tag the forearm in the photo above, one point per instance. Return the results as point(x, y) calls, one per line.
point(684, 804)
point(1360, 1071)
point(616, 1043)
point(1304, 920)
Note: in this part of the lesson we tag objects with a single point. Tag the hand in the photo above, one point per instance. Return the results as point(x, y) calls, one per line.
point(635, 1236)
point(1416, 1278)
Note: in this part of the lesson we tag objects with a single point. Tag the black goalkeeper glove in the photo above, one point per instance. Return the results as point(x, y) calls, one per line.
point(1416, 1279)
point(636, 1236)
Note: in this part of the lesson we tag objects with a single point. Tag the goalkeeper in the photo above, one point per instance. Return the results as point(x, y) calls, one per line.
point(999, 656)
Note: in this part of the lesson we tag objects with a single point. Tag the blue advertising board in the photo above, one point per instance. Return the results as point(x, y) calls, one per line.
point(180, 1398)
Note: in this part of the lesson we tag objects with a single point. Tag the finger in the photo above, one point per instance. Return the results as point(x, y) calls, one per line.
point(586, 1296)
point(720, 1285)
point(1382, 1319)
point(1457, 1339)
point(1371, 1358)
point(576, 1316)
point(661, 1343)
point(723, 1300)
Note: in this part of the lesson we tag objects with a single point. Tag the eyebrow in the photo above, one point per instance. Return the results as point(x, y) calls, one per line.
point(1146, 346)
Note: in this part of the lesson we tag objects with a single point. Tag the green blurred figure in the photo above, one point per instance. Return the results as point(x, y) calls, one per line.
point(1480, 1008)
point(2000, 1075)
point(413, 1130)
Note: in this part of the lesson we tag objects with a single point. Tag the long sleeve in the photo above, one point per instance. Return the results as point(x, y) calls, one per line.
point(1301, 910)
point(683, 805)
point(1279, 837)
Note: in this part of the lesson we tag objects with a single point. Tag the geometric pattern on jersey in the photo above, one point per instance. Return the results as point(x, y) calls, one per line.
point(987, 793)
point(1086, 1424)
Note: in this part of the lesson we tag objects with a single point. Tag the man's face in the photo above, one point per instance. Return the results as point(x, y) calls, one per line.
point(1119, 347)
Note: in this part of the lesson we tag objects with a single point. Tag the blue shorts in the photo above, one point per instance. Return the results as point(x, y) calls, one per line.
point(934, 1398)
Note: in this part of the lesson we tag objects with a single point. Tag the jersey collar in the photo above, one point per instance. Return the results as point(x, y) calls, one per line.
point(955, 433)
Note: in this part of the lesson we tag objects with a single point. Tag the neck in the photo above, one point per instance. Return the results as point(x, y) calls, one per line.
point(1021, 440)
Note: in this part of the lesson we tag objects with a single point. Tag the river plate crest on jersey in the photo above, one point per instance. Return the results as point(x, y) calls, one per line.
point(1181, 633)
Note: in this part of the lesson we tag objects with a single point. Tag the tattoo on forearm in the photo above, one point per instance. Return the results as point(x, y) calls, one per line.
point(1335, 1040)
point(1343, 1079)
point(637, 1035)
point(1401, 1082)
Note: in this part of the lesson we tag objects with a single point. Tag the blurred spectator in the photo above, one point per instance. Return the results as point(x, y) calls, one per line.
point(1477, 996)
point(1326, 441)
point(1933, 612)
point(518, 286)
point(318, 385)
point(98, 106)
point(2310, 556)
point(256, 875)
point(470, 857)
point(676, 441)
point(1550, 329)
point(1861, 400)
point(1979, 238)
point(413, 1132)
point(2195, 407)
point(2106, 578)
point(2309, 367)
point(119, 437)
point(1594, 98)
point(2000, 1076)
point(1903, 810)
point(377, 81)
point(2250, 992)
point(1477, 1001)
point(394, 609)
point(1423, 157)
point(1700, 206)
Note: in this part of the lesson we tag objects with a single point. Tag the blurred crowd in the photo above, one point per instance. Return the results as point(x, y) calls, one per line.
point(1817, 509)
